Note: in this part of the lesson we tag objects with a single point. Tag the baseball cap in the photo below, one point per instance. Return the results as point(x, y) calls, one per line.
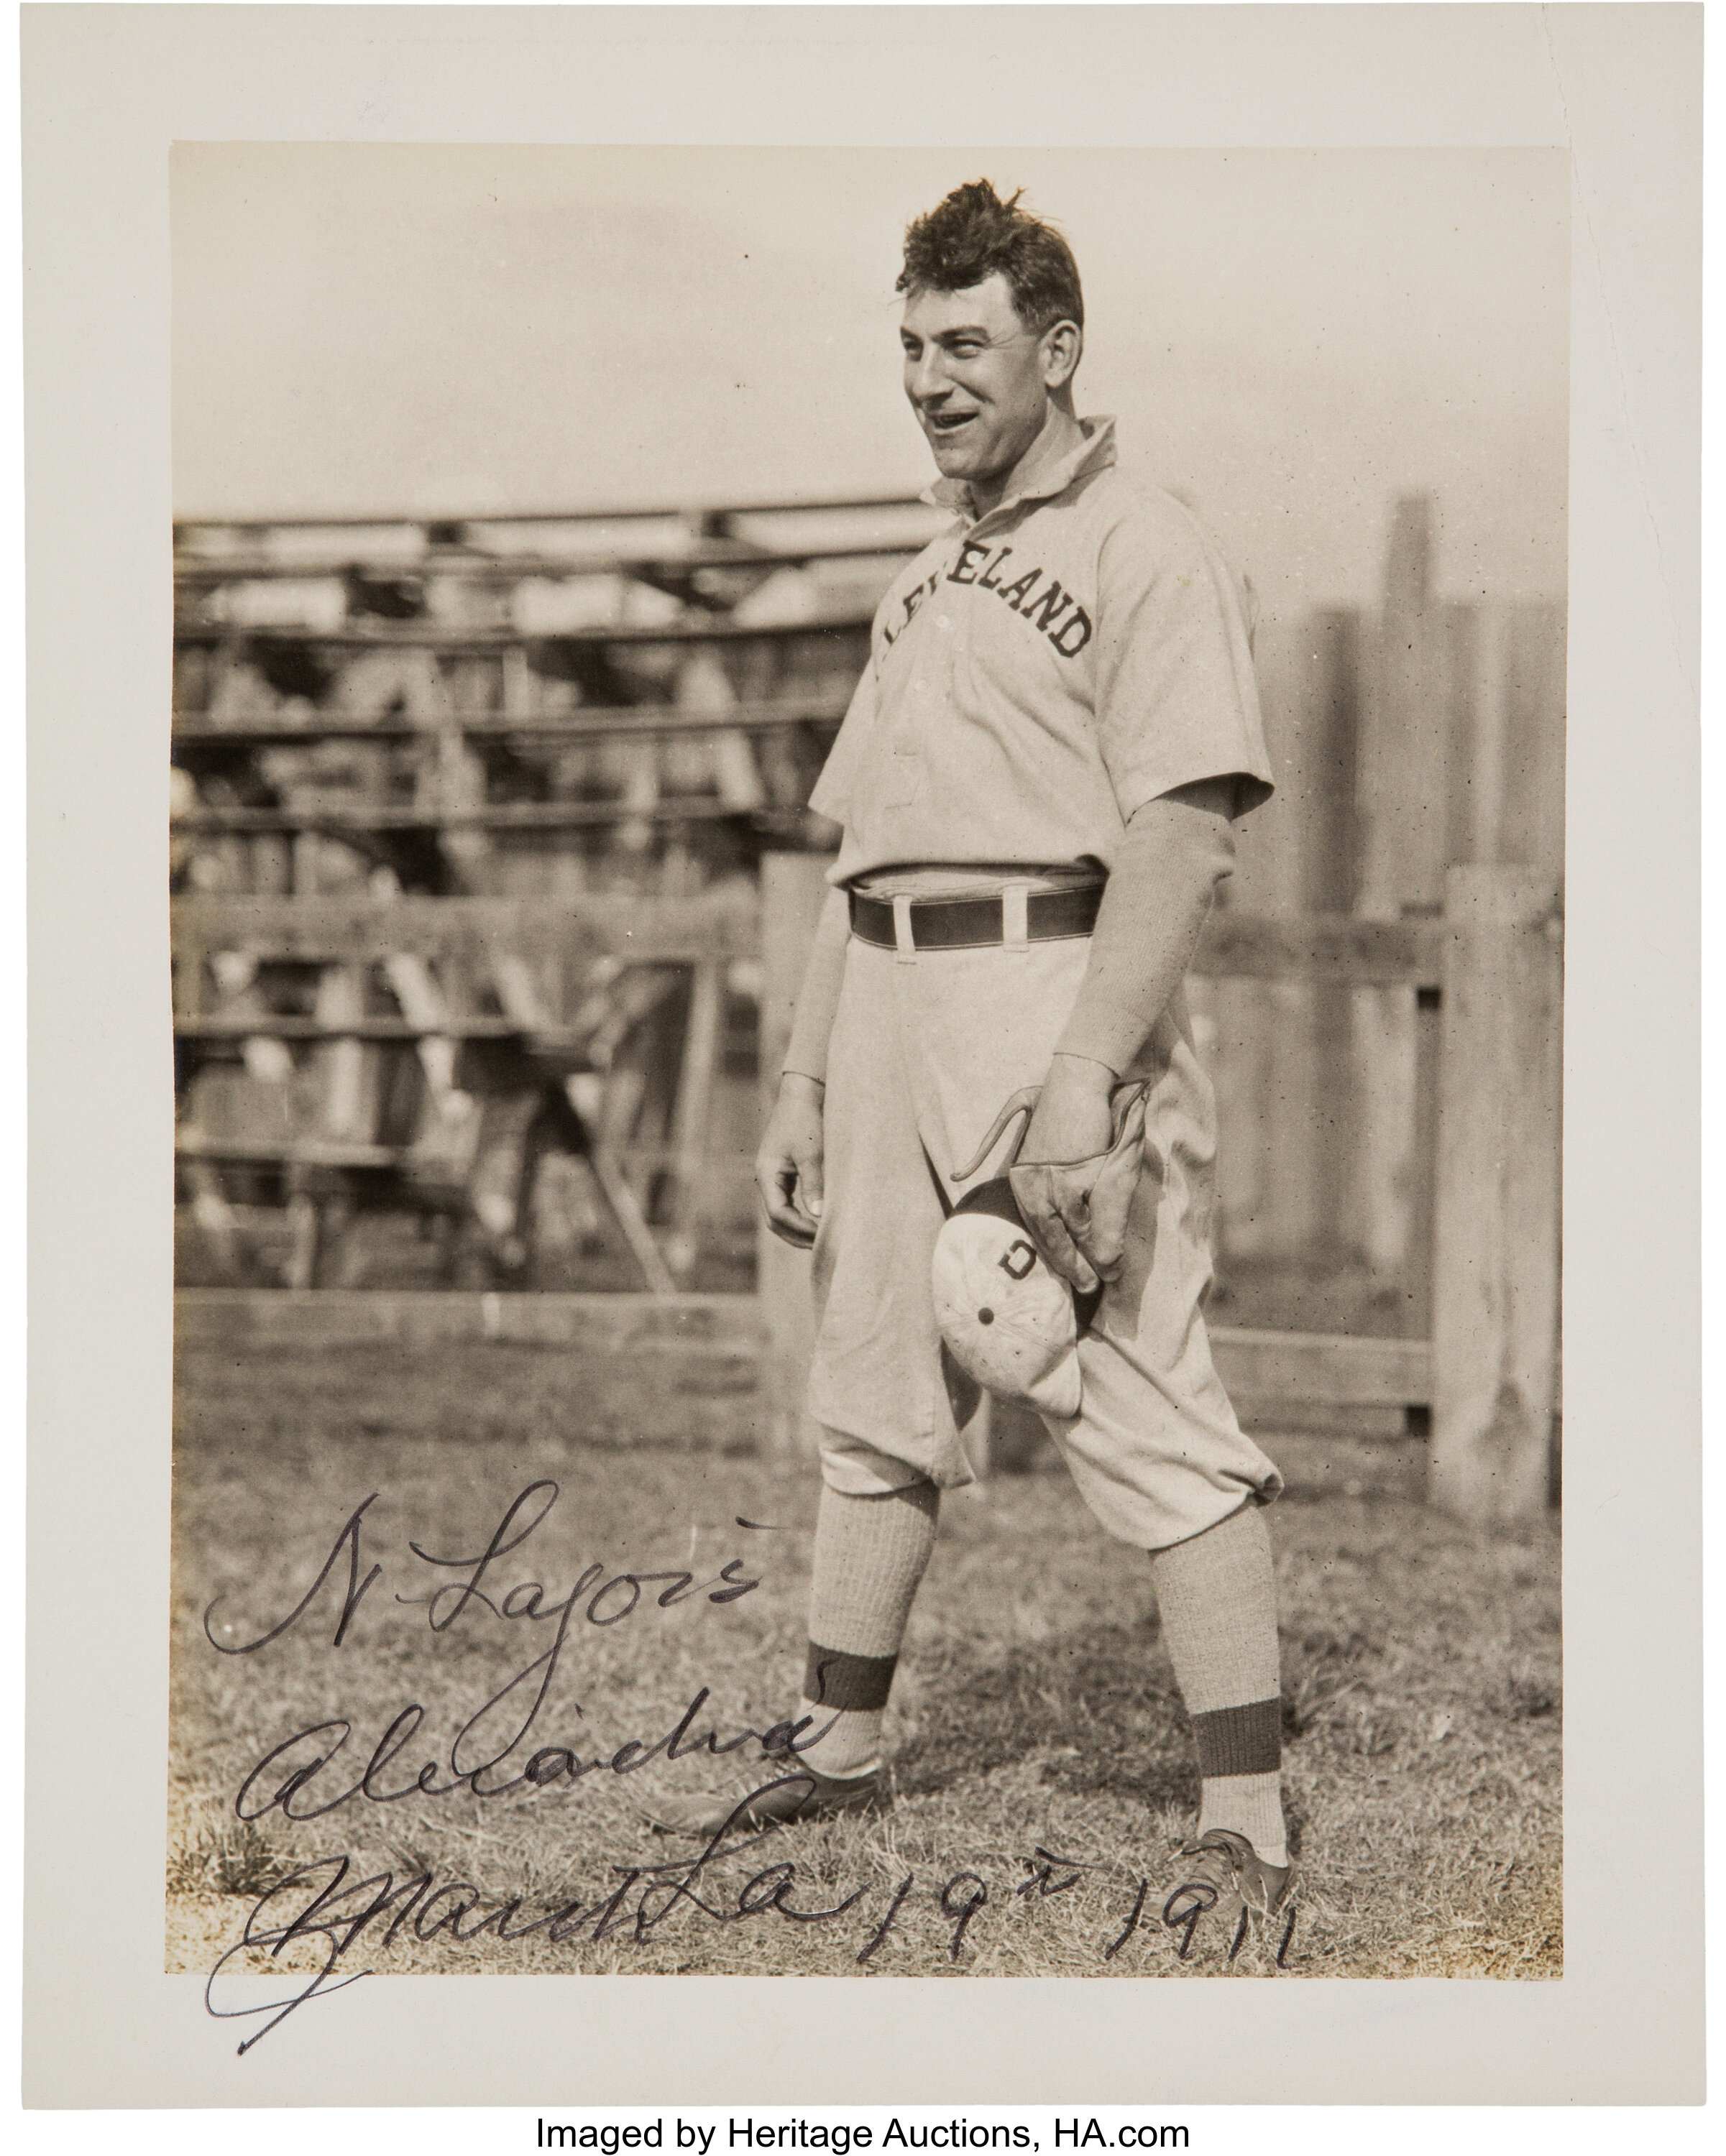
point(1009, 1320)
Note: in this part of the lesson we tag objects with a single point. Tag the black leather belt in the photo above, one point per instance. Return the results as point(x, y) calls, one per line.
point(960, 924)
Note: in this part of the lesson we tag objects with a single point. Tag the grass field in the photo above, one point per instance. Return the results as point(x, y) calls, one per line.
point(1034, 1719)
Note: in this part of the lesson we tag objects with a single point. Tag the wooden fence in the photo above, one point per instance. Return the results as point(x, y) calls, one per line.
point(1483, 1376)
point(1423, 735)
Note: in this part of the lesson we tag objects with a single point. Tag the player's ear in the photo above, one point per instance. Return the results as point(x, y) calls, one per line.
point(1062, 342)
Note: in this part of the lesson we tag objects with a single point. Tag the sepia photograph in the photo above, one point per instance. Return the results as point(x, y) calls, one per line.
point(867, 866)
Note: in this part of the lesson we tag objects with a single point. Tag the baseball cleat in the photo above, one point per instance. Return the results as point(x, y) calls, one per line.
point(1223, 1872)
point(794, 1799)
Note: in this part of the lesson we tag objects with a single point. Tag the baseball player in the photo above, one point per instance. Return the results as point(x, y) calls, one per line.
point(1036, 780)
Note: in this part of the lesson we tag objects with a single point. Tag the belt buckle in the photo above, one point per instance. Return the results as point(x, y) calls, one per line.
point(1016, 917)
point(933, 910)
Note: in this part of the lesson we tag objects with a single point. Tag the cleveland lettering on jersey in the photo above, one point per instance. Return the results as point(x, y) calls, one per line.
point(913, 600)
point(1054, 611)
point(1044, 609)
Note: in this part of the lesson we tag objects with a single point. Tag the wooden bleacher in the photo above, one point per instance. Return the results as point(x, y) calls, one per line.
point(466, 825)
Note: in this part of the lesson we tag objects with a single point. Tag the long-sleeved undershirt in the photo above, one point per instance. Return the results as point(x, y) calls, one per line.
point(1159, 895)
point(818, 998)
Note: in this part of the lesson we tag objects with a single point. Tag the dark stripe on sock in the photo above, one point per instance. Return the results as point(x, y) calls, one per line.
point(838, 1680)
point(1240, 1740)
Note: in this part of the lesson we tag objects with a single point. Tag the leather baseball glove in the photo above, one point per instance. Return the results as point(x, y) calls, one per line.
point(1075, 1210)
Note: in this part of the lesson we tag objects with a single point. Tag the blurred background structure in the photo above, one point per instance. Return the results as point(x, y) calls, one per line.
point(490, 847)
point(545, 722)
point(468, 830)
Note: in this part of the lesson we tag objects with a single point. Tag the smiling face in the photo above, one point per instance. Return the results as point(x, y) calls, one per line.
point(980, 383)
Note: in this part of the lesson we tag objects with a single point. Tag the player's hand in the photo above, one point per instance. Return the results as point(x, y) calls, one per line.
point(1065, 1153)
point(788, 1168)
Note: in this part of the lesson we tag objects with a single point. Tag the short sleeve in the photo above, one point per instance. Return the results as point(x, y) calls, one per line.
point(1176, 699)
point(833, 790)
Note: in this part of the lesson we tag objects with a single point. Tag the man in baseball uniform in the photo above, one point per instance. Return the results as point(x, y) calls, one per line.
point(1037, 780)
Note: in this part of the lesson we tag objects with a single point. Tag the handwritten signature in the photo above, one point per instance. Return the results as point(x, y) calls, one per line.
point(501, 1725)
point(525, 1599)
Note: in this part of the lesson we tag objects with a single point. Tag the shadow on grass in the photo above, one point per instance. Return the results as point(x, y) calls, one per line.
point(1098, 1700)
point(1101, 1705)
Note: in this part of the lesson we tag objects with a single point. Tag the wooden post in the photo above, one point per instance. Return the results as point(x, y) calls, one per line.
point(1406, 747)
point(1531, 827)
point(692, 1113)
point(1330, 879)
point(793, 887)
point(1423, 1186)
point(1401, 800)
point(1496, 1285)
point(305, 1226)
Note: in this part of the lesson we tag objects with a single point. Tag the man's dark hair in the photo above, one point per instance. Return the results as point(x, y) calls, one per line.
point(973, 233)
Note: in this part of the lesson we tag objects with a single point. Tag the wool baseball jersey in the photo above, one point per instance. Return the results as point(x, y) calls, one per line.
point(1039, 673)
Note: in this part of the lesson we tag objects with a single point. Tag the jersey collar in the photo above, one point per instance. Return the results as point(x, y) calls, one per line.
point(1094, 453)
